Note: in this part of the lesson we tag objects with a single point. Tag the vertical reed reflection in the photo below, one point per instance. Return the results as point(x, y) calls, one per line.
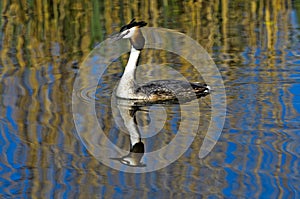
point(252, 42)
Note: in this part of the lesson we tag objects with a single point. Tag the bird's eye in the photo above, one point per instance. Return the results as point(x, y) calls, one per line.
point(126, 33)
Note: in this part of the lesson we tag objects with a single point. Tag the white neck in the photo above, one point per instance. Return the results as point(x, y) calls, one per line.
point(126, 85)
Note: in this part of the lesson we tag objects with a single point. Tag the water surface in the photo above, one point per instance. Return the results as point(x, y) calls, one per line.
point(255, 45)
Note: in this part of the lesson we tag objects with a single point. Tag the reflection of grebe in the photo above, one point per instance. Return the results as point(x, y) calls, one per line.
point(137, 148)
point(159, 90)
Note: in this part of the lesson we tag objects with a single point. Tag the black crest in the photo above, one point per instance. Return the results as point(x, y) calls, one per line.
point(133, 23)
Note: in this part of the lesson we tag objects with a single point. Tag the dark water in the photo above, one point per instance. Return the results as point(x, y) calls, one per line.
point(256, 48)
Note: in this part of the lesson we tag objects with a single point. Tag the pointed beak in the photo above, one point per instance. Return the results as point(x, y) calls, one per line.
point(119, 36)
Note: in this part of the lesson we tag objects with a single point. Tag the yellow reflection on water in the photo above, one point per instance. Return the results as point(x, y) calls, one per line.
point(41, 41)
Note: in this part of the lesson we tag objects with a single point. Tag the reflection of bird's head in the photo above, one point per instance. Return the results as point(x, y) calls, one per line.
point(135, 155)
point(133, 159)
point(138, 148)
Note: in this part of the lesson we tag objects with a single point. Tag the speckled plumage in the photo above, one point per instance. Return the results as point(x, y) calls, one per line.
point(178, 90)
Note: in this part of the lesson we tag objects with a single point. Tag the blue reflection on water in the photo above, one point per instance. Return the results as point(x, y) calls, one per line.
point(257, 156)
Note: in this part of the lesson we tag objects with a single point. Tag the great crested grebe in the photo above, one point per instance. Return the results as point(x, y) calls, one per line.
point(154, 91)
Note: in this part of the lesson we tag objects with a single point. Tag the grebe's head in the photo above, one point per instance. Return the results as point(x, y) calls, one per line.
point(132, 32)
point(129, 30)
